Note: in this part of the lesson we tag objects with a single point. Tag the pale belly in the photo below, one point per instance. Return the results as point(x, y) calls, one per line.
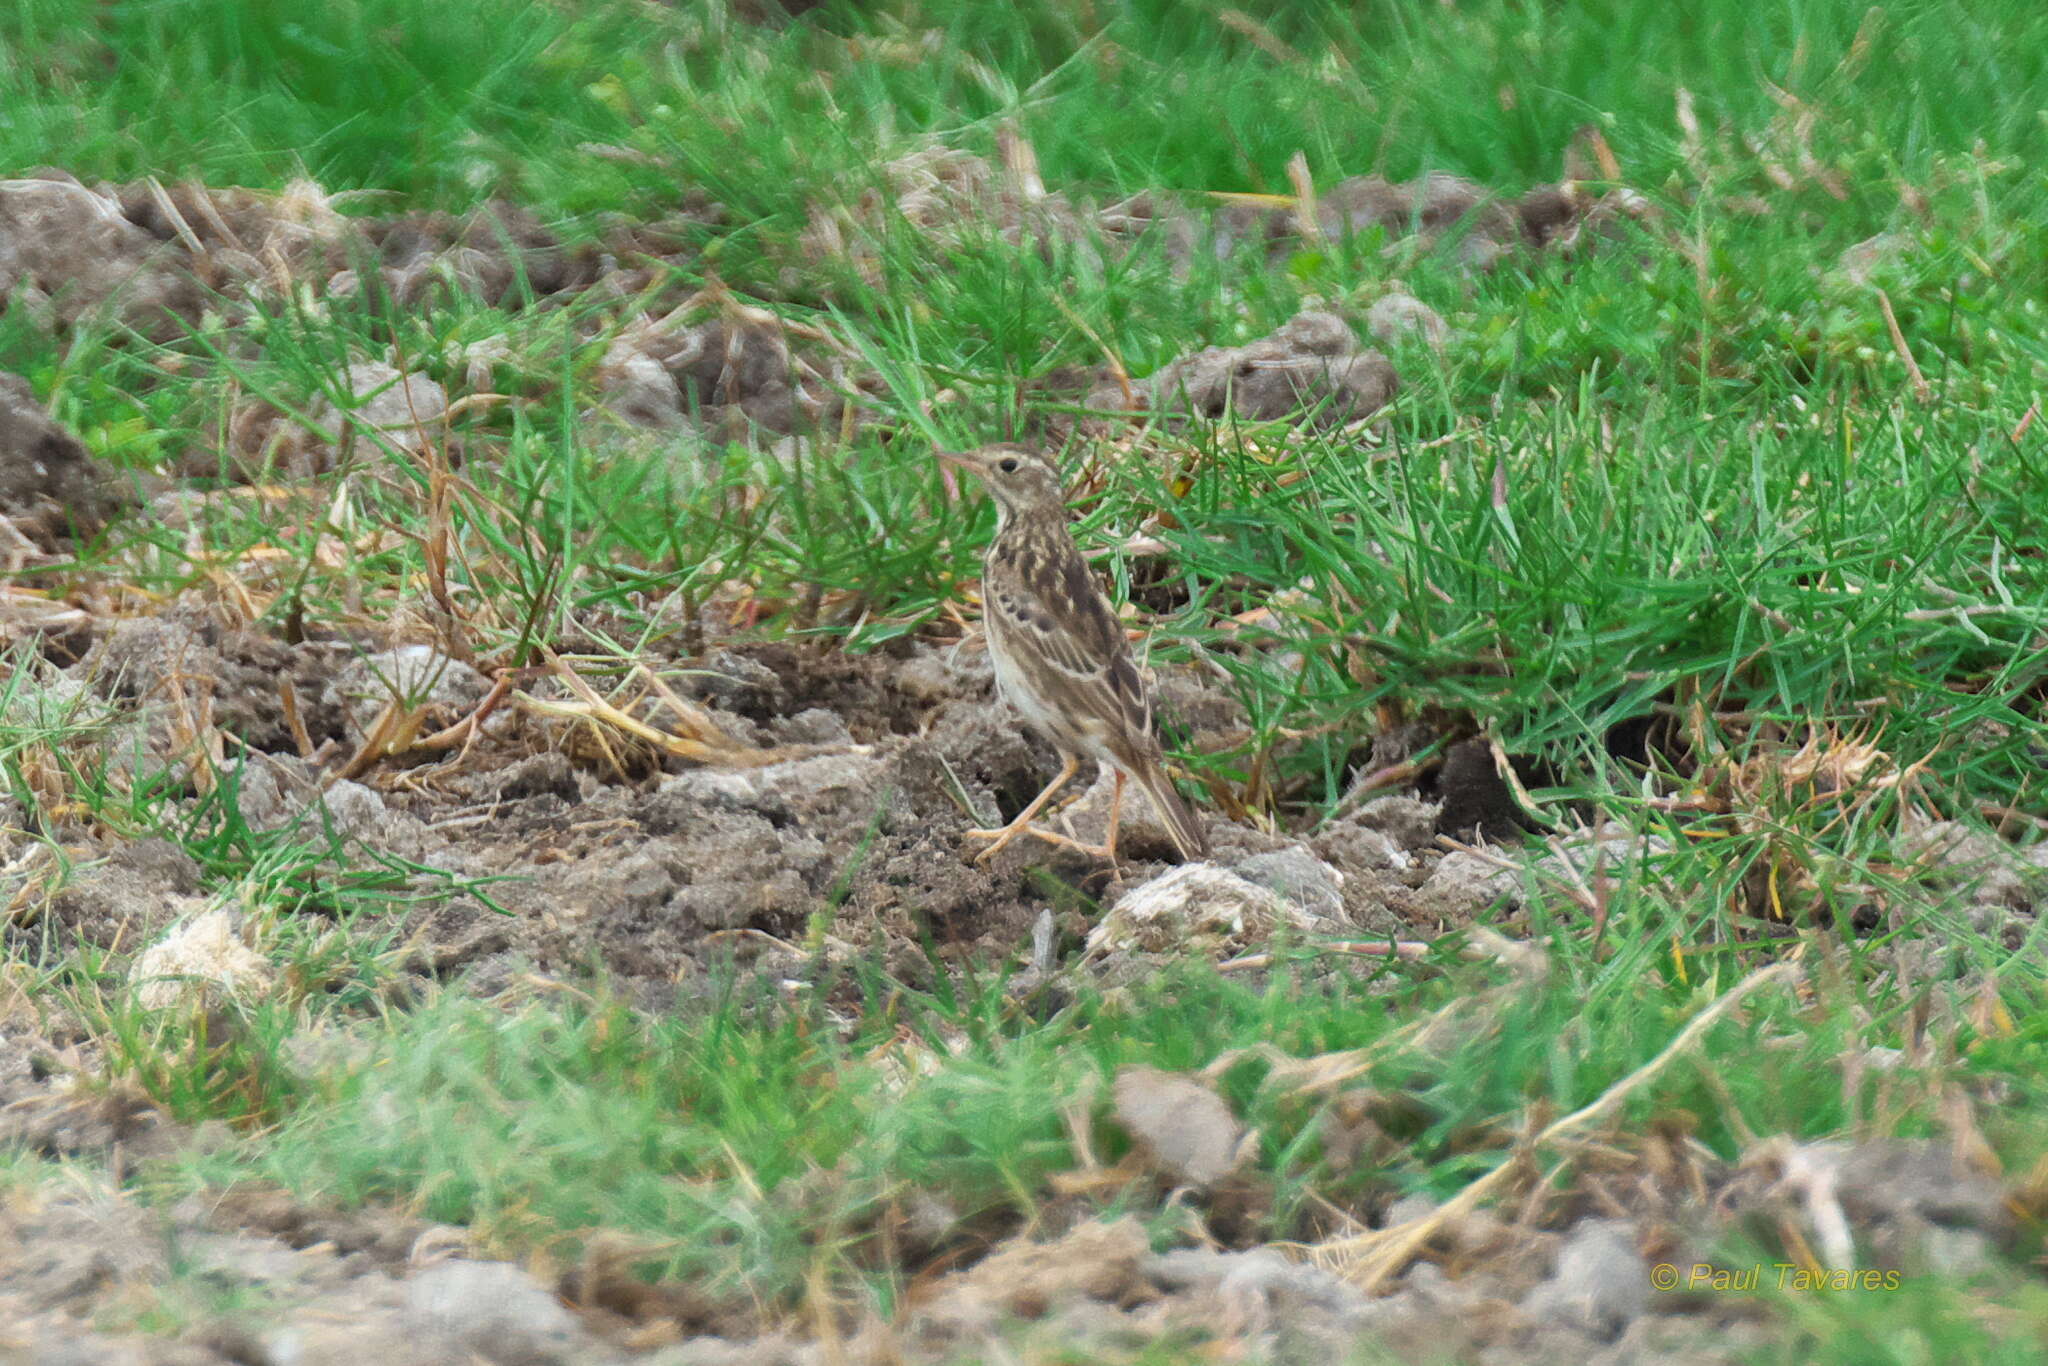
point(1080, 736)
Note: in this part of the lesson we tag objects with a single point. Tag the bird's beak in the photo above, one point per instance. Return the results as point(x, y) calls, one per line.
point(948, 462)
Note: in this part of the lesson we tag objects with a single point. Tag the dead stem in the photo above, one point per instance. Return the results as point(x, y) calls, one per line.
point(1372, 1259)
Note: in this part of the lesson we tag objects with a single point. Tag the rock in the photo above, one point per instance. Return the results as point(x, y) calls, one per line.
point(179, 658)
point(1185, 701)
point(1600, 1285)
point(812, 726)
point(730, 374)
point(1607, 219)
point(1300, 876)
point(738, 683)
point(276, 792)
point(709, 1351)
point(52, 1117)
point(547, 774)
point(1461, 887)
point(69, 1253)
point(1185, 1127)
point(204, 960)
point(500, 253)
point(49, 484)
point(379, 1235)
point(1894, 1178)
point(354, 811)
point(1311, 369)
point(1406, 1210)
point(1183, 233)
point(497, 1311)
point(39, 699)
point(1989, 869)
point(415, 678)
point(260, 794)
point(1611, 848)
point(992, 755)
point(1264, 1272)
point(386, 1339)
point(1196, 908)
point(136, 656)
point(956, 199)
point(407, 409)
point(1886, 1203)
point(930, 677)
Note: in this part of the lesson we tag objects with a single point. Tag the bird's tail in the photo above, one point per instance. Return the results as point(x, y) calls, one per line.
point(1175, 813)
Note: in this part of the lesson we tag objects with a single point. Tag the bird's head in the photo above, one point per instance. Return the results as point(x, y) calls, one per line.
point(1021, 481)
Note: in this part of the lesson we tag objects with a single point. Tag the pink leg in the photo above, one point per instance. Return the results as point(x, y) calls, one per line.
point(1104, 850)
point(1017, 827)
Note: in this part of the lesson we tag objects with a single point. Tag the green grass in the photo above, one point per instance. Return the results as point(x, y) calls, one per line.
point(765, 1144)
point(1655, 518)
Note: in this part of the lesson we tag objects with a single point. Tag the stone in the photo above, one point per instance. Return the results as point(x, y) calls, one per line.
point(1601, 1283)
point(1300, 876)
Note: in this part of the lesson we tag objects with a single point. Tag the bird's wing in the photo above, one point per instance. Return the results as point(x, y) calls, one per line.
point(1048, 608)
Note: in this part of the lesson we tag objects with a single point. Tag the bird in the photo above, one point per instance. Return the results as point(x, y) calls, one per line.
point(1060, 654)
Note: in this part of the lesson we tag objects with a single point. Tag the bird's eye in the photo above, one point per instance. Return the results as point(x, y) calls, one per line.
point(1008, 467)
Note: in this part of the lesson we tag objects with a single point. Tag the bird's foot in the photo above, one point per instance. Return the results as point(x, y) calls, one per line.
point(1105, 851)
point(1007, 835)
point(1003, 839)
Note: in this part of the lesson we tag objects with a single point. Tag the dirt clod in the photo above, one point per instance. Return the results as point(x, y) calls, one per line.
point(1310, 367)
point(1300, 877)
point(1185, 1128)
point(49, 485)
point(731, 374)
point(73, 253)
point(1197, 908)
point(405, 409)
point(1097, 1260)
point(1394, 318)
point(204, 959)
point(127, 897)
point(1600, 1285)
point(496, 1311)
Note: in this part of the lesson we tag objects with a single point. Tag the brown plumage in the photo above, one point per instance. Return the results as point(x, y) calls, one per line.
point(1060, 655)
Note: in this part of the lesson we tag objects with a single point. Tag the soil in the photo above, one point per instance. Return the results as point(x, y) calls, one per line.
point(879, 764)
point(156, 257)
point(335, 1287)
point(828, 825)
point(666, 877)
point(50, 489)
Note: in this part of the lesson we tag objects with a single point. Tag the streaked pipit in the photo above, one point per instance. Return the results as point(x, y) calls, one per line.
point(1060, 655)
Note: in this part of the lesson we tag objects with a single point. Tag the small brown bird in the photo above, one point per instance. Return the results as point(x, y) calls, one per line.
point(1060, 655)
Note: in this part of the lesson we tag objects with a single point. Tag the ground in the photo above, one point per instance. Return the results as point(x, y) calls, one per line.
point(493, 691)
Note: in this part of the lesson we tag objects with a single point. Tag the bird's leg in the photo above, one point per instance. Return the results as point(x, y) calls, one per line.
point(1070, 765)
point(1104, 850)
point(1116, 811)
